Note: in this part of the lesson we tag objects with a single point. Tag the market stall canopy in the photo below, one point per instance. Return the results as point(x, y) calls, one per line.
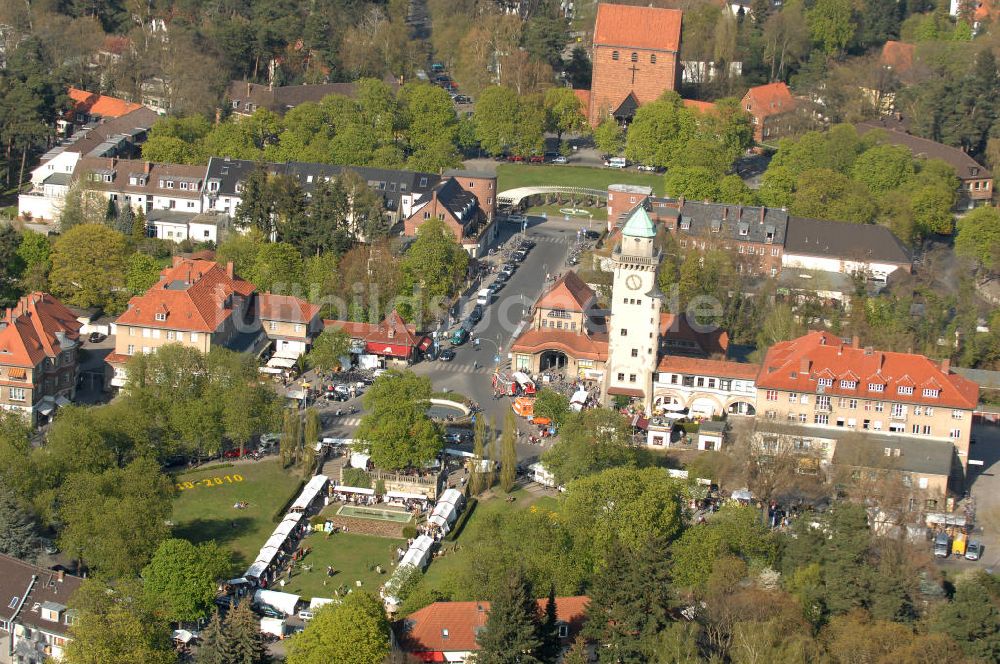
point(405, 496)
point(309, 493)
point(256, 570)
point(182, 636)
point(279, 362)
point(580, 396)
point(354, 489)
point(742, 494)
point(453, 496)
point(284, 602)
point(359, 460)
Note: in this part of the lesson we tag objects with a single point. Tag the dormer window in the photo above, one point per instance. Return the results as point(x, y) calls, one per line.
point(848, 384)
point(905, 389)
point(423, 182)
point(161, 316)
point(876, 387)
point(932, 393)
point(825, 382)
point(184, 186)
point(170, 184)
point(744, 229)
point(652, 59)
point(236, 103)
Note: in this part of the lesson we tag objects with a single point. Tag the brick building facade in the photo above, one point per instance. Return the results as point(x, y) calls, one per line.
point(635, 59)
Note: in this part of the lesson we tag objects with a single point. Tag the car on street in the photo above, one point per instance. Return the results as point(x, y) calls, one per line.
point(337, 396)
point(536, 159)
point(974, 551)
point(560, 160)
point(463, 99)
point(509, 269)
point(497, 286)
point(476, 315)
point(527, 245)
point(447, 355)
point(501, 278)
point(305, 616)
point(458, 337)
point(519, 256)
point(942, 545)
point(457, 437)
point(591, 235)
point(616, 162)
point(432, 354)
point(647, 168)
point(269, 611)
point(96, 337)
point(234, 453)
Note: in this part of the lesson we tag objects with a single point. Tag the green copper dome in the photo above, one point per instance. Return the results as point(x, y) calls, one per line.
point(639, 224)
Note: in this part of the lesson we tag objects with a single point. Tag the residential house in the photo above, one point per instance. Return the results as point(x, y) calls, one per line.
point(143, 185)
point(178, 226)
point(772, 111)
point(34, 611)
point(566, 333)
point(975, 180)
point(290, 322)
point(392, 341)
point(244, 97)
point(622, 199)
point(635, 59)
point(821, 381)
point(839, 247)
point(120, 137)
point(196, 302)
point(39, 362)
point(459, 209)
point(448, 631)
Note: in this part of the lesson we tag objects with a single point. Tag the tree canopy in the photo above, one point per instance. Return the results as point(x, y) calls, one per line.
point(395, 429)
point(356, 631)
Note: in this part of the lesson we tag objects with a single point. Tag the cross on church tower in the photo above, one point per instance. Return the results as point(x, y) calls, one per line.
point(633, 69)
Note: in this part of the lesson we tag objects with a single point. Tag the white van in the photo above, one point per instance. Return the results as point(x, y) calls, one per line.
point(484, 297)
point(616, 162)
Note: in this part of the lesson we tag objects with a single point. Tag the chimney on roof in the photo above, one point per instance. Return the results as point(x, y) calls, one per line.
point(869, 350)
point(855, 341)
point(248, 88)
point(804, 366)
point(762, 209)
point(146, 167)
point(946, 365)
point(229, 270)
point(680, 202)
point(60, 575)
point(725, 213)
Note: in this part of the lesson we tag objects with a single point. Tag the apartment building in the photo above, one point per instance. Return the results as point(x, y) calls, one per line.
point(34, 611)
point(39, 340)
point(838, 387)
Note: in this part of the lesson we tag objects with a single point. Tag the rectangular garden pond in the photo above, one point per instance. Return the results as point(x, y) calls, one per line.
point(376, 513)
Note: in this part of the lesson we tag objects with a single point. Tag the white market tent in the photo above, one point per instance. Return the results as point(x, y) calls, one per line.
point(451, 496)
point(742, 494)
point(359, 460)
point(284, 602)
point(309, 493)
point(182, 635)
point(354, 489)
point(278, 362)
point(443, 516)
point(275, 541)
point(256, 570)
point(402, 495)
point(319, 602)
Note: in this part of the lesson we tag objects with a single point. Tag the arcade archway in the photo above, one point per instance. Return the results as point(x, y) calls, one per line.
point(552, 360)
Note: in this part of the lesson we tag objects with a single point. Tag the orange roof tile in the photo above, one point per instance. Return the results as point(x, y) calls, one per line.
point(393, 330)
point(102, 105)
point(897, 55)
point(580, 346)
point(452, 626)
point(286, 308)
point(30, 327)
point(702, 106)
point(569, 292)
point(637, 27)
point(770, 99)
point(192, 293)
point(796, 365)
point(720, 368)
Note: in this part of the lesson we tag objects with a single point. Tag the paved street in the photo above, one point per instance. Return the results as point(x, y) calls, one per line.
point(553, 239)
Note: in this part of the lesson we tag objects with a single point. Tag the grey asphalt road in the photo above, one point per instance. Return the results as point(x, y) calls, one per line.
point(470, 373)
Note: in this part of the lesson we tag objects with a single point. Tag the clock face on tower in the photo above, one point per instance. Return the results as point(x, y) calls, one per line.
point(633, 282)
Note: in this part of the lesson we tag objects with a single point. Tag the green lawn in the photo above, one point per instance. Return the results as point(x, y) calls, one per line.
point(512, 176)
point(205, 512)
point(552, 212)
point(353, 557)
point(441, 568)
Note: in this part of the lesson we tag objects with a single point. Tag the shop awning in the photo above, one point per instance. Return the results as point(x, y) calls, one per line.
point(393, 350)
point(17, 373)
point(62, 401)
point(625, 392)
point(425, 344)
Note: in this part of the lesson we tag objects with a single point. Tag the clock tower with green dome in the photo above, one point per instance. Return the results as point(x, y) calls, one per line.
point(634, 328)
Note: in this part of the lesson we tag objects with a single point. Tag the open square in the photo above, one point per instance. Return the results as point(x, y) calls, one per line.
point(353, 557)
point(204, 507)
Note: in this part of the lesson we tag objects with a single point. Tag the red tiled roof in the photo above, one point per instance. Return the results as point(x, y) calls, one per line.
point(29, 333)
point(569, 293)
point(637, 27)
point(796, 365)
point(703, 106)
point(393, 330)
point(580, 346)
point(426, 629)
point(720, 368)
point(626, 392)
point(101, 105)
point(770, 99)
point(192, 293)
point(897, 55)
point(676, 327)
point(285, 308)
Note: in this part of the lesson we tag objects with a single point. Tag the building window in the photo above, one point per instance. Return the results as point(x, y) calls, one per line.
point(614, 55)
point(635, 352)
point(631, 378)
point(928, 411)
point(171, 335)
point(905, 389)
point(822, 402)
point(194, 336)
point(772, 395)
point(875, 387)
point(957, 414)
point(821, 418)
point(955, 433)
point(161, 316)
point(16, 394)
point(879, 406)
point(635, 57)
point(563, 631)
point(898, 410)
point(624, 332)
point(852, 404)
point(933, 394)
point(621, 377)
point(825, 382)
point(273, 326)
point(927, 430)
point(848, 384)
point(652, 59)
point(298, 327)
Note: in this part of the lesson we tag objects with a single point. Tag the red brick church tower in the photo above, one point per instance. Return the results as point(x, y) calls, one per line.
point(636, 58)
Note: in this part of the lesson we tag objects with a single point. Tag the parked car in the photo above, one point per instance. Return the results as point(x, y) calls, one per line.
point(509, 269)
point(515, 158)
point(519, 256)
point(475, 315)
point(591, 235)
point(560, 160)
point(447, 355)
point(527, 245)
point(305, 616)
point(942, 545)
point(457, 437)
point(974, 551)
point(437, 67)
point(536, 159)
point(269, 611)
point(501, 278)
point(647, 168)
point(458, 337)
point(96, 337)
point(379, 372)
point(497, 286)
point(463, 99)
point(616, 162)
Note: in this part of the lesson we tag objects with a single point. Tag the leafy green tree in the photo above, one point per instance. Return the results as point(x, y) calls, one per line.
point(590, 441)
point(432, 127)
point(87, 266)
point(277, 268)
point(777, 187)
point(693, 182)
point(979, 237)
point(545, 36)
point(355, 631)
point(432, 270)
point(395, 429)
point(11, 264)
point(511, 634)
point(508, 453)
point(972, 618)
point(883, 167)
point(497, 110)
point(658, 130)
point(254, 209)
point(823, 193)
point(609, 137)
point(18, 534)
point(733, 190)
point(141, 272)
point(564, 112)
point(629, 599)
point(932, 209)
point(553, 405)
point(477, 483)
point(329, 349)
point(115, 625)
point(171, 150)
point(623, 507)
point(33, 252)
point(832, 24)
point(181, 579)
point(213, 643)
point(733, 531)
point(244, 642)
